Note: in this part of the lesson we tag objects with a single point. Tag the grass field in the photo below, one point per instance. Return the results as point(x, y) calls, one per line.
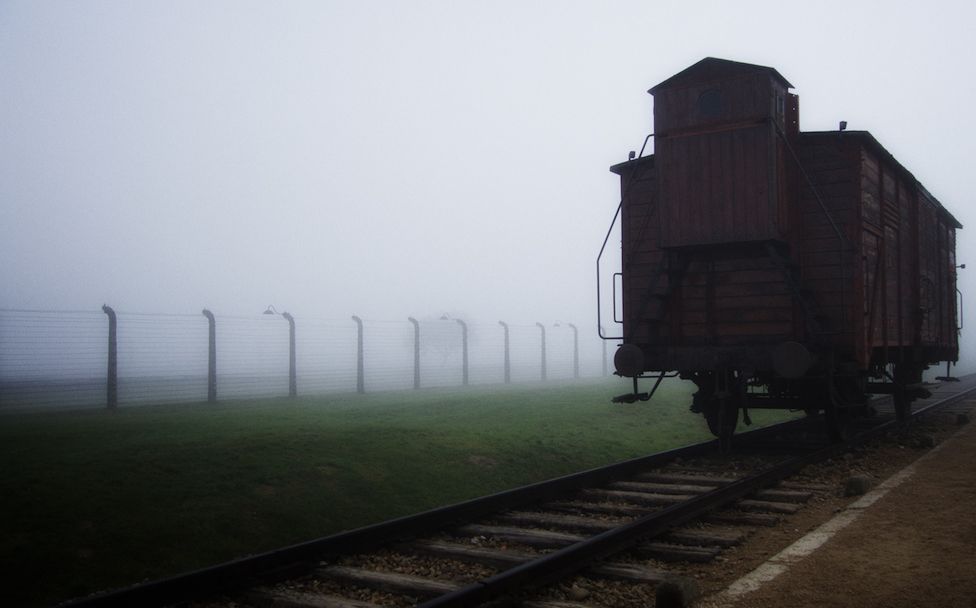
point(97, 499)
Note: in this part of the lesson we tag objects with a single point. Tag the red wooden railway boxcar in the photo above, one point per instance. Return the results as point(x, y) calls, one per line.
point(777, 268)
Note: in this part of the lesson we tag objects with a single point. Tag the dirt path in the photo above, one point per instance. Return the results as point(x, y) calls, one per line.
point(915, 547)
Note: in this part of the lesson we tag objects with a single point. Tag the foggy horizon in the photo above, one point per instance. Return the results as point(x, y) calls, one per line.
point(402, 159)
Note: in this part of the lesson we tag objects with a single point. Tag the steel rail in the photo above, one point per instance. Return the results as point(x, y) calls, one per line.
point(569, 560)
point(294, 559)
point(301, 558)
point(559, 564)
point(926, 409)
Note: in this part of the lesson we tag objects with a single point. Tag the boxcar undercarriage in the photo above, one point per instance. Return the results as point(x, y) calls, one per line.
point(839, 391)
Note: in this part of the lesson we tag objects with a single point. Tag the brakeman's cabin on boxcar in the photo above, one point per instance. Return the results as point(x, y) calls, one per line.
point(777, 268)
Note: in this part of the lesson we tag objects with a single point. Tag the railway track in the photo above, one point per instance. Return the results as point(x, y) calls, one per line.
point(685, 505)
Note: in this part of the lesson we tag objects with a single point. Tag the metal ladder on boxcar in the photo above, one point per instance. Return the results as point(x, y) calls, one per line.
point(813, 316)
point(672, 268)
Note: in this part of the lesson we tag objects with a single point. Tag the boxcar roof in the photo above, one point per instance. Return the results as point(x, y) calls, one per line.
point(711, 68)
point(864, 137)
point(632, 164)
point(875, 146)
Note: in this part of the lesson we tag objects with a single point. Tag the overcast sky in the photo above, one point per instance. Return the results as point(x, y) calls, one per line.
point(403, 158)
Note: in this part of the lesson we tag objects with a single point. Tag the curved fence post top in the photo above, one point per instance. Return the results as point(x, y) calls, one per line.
point(543, 362)
point(416, 352)
point(503, 324)
point(360, 360)
point(292, 365)
point(211, 357)
point(112, 371)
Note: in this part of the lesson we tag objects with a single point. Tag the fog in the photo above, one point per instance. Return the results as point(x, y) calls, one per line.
point(389, 159)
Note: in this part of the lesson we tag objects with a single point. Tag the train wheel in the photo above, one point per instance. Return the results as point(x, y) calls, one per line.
point(718, 399)
point(845, 400)
point(905, 375)
point(722, 418)
point(838, 421)
point(723, 414)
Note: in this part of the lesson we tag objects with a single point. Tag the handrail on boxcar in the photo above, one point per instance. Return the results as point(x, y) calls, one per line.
point(599, 315)
point(606, 239)
point(845, 243)
point(962, 320)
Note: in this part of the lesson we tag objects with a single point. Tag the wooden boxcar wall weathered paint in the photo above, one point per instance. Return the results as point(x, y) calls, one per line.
point(641, 255)
point(724, 297)
point(884, 287)
point(823, 246)
point(891, 298)
point(718, 159)
point(936, 293)
point(911, 313)
point(719, 188)
point(886, 269)
point(729, 299)
point(743, 97)
point(871, 250)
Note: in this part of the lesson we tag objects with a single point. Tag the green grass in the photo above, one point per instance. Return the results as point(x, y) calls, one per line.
point(97, 499)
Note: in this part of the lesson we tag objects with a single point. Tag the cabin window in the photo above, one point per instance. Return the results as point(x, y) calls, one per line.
point(710, 103)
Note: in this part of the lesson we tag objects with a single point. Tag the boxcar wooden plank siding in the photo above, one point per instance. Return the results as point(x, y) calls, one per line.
point(714, 191)
point(740, 230)
point(676, 105)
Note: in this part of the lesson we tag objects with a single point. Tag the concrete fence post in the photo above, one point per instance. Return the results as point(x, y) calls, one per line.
point(575, 350)
point(292, 371)
point(464, 351)
point(543, 328)
point(416, 352)
point(211, 356)
point(508, 358)
point(360, 366)
point(112, 375)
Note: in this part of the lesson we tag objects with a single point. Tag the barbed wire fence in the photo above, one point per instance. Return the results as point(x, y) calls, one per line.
point(88, 359)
